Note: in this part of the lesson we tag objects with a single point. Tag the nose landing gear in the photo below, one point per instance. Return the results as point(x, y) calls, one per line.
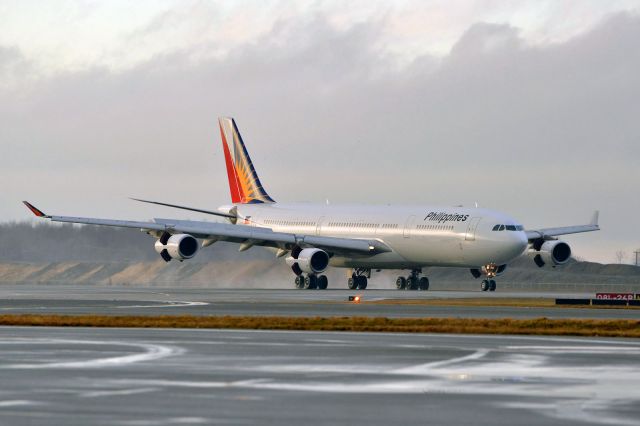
point(490, 270)
point(488, 285)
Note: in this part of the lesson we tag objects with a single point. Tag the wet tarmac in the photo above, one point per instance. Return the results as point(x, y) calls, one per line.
point(119, 300)
point(81, 376)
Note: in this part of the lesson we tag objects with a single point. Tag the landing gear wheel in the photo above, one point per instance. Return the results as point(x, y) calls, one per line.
point(412, 283)
point(309, 282)
point(359, 277)
point(322, 282)
point(484, 286)
point(401, 283)
point(423, 283)
point(299, 282)
point(492, 285)
point(362, 282)
point(352, 283)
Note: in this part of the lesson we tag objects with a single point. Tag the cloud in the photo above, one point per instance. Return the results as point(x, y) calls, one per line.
point(546, 132)
point(8, 56)
point(13, 67)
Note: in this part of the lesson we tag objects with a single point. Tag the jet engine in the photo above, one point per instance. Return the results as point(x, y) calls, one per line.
point(310, 260)
point(178, 246)
point(554, 252)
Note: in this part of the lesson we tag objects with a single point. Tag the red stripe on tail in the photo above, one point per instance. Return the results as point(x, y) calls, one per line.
point(234, 184)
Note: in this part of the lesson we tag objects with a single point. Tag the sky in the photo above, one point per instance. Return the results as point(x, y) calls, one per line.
point(531, 108)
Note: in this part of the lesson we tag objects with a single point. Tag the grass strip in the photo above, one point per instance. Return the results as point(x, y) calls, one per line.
point(537, 326)
point(481, 301)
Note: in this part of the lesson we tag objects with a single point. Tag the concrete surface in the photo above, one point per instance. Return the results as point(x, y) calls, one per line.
point(78, 376)
point(119, 300)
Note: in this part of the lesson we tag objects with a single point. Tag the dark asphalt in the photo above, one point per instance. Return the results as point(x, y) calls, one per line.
point(119, 300)
point(58, 376)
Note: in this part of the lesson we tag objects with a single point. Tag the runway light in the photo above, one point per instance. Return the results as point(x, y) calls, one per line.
point(354, 299)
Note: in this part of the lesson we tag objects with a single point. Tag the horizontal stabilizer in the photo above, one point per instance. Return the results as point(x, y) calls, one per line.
point(175, 206)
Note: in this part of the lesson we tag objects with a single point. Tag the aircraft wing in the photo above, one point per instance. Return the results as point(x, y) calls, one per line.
point(234, 233)
point(549, 233)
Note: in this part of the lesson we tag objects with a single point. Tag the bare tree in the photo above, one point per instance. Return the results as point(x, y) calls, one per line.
point(620, 256)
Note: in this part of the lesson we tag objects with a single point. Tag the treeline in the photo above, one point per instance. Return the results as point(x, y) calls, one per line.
point(47, 242)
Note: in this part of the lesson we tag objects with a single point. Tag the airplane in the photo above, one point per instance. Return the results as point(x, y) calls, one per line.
point(363, 239)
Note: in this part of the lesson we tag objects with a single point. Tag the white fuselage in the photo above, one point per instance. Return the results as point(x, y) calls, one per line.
point(418, 236)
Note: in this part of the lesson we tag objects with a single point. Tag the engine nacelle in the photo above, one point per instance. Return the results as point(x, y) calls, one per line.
point(554, 252)
point(178, 246)
point(310, 260)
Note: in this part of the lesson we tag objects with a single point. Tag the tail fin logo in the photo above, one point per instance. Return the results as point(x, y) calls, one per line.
point(244, 184)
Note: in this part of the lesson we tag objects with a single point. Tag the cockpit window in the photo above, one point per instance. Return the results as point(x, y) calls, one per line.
point(508, 228)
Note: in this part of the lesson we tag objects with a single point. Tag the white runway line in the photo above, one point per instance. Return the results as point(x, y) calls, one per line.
point(17, 403)
point(167, 304)
point(174, 421)
point(428, 368)
point(121, 392)
point(150, 352)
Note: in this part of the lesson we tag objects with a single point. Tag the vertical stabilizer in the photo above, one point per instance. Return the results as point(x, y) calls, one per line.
point(244, 184)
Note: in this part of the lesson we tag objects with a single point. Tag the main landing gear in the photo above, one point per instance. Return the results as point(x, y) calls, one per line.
point(413, 281)
point(311, 282)
point(359, 277)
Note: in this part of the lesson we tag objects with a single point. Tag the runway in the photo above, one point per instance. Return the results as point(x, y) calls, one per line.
point(170, 377)
point(119, 300)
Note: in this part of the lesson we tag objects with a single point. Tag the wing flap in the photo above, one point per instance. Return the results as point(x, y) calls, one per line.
point(111, 222)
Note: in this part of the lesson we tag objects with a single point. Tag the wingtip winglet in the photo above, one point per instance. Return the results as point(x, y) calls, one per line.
point(594, 218)
point(34, 209)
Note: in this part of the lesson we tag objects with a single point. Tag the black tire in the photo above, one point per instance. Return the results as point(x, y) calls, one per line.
point(322, 282)
point(484, 286)
point(423, 284)
point(492, 285)
point(362, 283)
point(411, 284)
point(310, 282)
point(298, 282)
point(401, 283)
point(352, 283)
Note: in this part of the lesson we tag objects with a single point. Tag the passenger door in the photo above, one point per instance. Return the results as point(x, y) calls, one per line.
point(471, 229)
point(319, 226)
point(408, 226)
